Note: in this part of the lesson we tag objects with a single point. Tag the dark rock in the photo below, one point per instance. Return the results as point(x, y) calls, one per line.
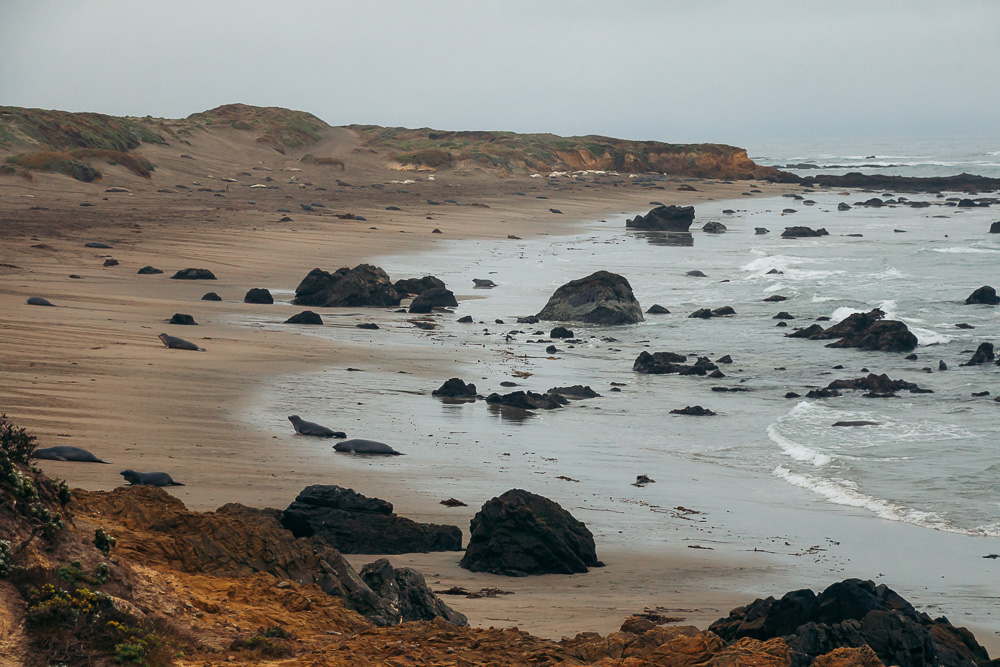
point(775, 272)
point(393, 208)
point(561, 332)
point(694, 411)
point(284, 218)
point(600, 298)
point(181, 318)
point(519, 534)
point(874, 202)
point(436, 297)
point(911, 357)
point(776, 298)
point(802, 232)
point(985, 295)
point(867, 331)
point(783, 315)
point(823, 393)
point(842, 206)
point(367, 325)
point(193, 274)
point(880, 384)
point(663, 363)
point(406, 592)
point(467, 319)
point(979, 394)
point(576, 392)
point(455, 388)
point(551, 349)
point(760, 231)
point(964, 325)
point(713, 227)
point(211, 296)
point(148, 270)
point(353, 523)
point(364, 285)
point(657, 309)
point(530, 319)
point(854, 613)
point(696, 274)
point(724, 360)
point(702, 313)
point(792, 394)
point(111, 262)
point(258, 295)
point(984, 354)
point(782, 323)
point(723, 311)
point(96, 244)
point(527, 400)
point(857, 423)
point(305, 317)
point(995, 227)
point(788, 211)
point(664, 219)
point(417, 286)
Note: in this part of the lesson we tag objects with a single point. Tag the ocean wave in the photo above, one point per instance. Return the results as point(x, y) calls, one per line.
point(891, 272)
point(823, 299)
point(797, 450)
point(888, 307)
point(844, 492)
point(928, 337)
point(965, 250)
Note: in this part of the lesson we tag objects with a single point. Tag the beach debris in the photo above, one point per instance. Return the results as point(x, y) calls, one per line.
point(643, 480)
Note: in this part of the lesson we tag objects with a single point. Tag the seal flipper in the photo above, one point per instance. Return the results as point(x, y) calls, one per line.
point(173, 483)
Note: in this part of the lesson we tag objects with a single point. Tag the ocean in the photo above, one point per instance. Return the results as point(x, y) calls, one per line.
point(915, 496)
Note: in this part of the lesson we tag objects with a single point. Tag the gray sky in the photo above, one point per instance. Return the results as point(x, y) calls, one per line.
point(734, 72)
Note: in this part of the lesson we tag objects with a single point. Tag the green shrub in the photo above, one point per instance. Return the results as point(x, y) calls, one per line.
point(103, 541)
point(15, 443)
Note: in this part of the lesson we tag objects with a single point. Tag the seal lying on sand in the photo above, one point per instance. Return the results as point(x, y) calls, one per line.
point(39, 301)
point(148, 478)
point(175, 343)
point(65, 453)
point(302, 427)
point(359, 446)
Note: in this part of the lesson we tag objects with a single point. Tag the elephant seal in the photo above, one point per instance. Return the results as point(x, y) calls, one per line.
point(148, 478)
point(66, 453)
point(359, 446)
point(302, 427)
point(175, 343)
point(39, 301)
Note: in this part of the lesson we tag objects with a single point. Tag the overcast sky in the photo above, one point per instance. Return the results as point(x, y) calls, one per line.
point(734, 72)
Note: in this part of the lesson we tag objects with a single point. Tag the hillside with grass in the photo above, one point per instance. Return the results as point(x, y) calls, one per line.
point(511, 152)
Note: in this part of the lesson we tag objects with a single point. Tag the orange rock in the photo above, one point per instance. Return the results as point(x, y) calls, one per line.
point(752, 653)
point(849, 657)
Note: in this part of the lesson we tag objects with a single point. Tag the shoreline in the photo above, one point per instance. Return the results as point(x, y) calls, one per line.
point(157, 418)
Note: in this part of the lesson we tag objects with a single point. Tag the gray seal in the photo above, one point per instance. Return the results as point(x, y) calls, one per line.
point(39, 301)
point(66, 453)
point(302, 427)
point(359, 446)
point(175, 343)
point(148, 478)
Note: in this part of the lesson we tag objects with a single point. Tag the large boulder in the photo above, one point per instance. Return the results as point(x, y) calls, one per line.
point(355, 524)
point(868, 331)
point(714, 227)
point(995, 227)
point(520, 533)
point(406, 592)
point(193, 274)
point(417, 285)
point(258, 295)
point(984, 354)
point(600, 298)
point(364, 285)
point(435, 297)
point(305, 317)
point(854, 613)
point(663, 219)
point(985, 295)
point(456, 388)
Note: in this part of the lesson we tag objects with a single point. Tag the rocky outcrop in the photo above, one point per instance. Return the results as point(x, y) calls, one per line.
point(193, 274)
point(258, 295)
point(435, 297)
point(657, 309)
point(867, 331)
point(417, 286)
point(600, 298)
point(879, 384)
point(664, 363)
point(693, 411)
point(148, 270)
point(305, 317)
point(985, 295)
point(853, 613)
point(364, 285)
point(456, 388)
point(713, 227)
point(406, 592)
point(519, 534)
point(854, 179)
point(353, 523)
point(576, 392)
point(984, 354)
point(233, 541)
point(663, 219)
point(527, 400)
point(211, 296)
point(803, 232)
point(182, 318)
point(995, 227)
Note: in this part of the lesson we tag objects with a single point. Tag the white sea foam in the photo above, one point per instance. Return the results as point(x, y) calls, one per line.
point(928, 337)
point(844, 492)
point(798, 450)
point(891, 272)
point(822, 299)
point(966, 250)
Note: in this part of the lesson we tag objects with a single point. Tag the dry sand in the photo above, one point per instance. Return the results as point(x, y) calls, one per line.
point(91, 372)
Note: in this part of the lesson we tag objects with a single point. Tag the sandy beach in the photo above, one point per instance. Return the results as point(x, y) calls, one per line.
point(92, 374)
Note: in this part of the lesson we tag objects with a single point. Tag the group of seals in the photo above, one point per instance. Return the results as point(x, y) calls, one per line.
point(175, 343)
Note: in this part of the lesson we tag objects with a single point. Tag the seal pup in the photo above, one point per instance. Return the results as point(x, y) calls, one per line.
point(359, 446)
point(39, 301)
point(66, 453)
point(148, 478)
point(175, 343)
point(302, 427)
